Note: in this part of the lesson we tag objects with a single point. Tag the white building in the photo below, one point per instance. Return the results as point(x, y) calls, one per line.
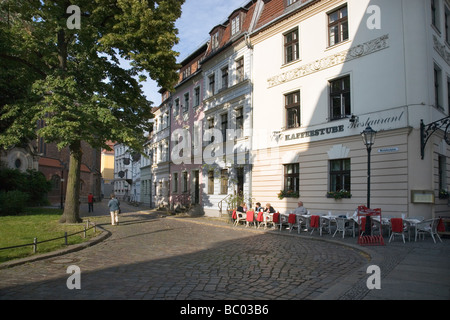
point(325, 70)
point(227, 82)
point(160, 151)
point(123, 173)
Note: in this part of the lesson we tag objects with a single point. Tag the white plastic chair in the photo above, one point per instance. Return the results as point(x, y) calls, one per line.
point(341, 226)
point(240, 217)
point(428, 226)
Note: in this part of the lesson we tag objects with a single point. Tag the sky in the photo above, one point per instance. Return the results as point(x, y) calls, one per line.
point(197, 19)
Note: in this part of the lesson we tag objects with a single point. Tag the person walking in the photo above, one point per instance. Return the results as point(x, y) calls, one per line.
point(114, 207)
point(90, 202)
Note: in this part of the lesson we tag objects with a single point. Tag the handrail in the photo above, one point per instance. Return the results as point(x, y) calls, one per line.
point(220, 203)
point(65, 236)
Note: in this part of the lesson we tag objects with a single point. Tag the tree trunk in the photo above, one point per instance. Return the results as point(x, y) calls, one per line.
point(71, 212)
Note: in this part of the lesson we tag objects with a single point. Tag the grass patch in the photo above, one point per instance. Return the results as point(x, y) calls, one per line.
point(40, 223)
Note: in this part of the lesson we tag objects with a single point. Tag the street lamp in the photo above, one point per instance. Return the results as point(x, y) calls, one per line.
point(368, 136)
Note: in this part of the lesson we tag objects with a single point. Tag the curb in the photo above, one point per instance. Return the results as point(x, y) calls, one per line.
point(73, 248)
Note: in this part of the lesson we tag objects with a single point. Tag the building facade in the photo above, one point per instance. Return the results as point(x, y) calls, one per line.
point(186, 124)
point(337, 67)
point(160, 145)
point(227, 78)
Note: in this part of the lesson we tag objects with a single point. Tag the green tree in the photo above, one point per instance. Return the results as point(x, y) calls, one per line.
point(72, 78)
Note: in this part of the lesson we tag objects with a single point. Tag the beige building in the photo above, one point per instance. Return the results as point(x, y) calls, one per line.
point(323, 72)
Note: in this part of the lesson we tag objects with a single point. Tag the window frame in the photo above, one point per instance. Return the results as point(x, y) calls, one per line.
point(294, 43)
point(186, 102)
point(340, 22)
point(343, 94)
point(211, 182)
point(343, 174)
point(295, 175)
point(240, 72)
point(196, 97)
point(211, 84)
point(175, 182)
point(239, 122)
point(224, 176)
point(289, 106)
point(225, 73)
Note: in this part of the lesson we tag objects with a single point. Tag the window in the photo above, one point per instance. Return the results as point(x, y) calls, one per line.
point(292, 106)
point(224, 126)
point(340, 98)
point(292, 177)
point(442, 162)
point(215, 40)
point(185, 181)
point(448, 95)
point(235, 25)
point(437, 87)
point(240, 70)
point(435, 13)
point(197, 97)
point(186, 72)
point(240, 122)
point(177, 107)
point(447, 24)
point(289, 2)
point(175, 182)
point(291, 46)
point(211, 84)
point(211, 182)
point(210, 127)
point(224, 78)
point(186, 102)
point(338, 26)
point(55, 181)
point(224, 181)
point(340, 175)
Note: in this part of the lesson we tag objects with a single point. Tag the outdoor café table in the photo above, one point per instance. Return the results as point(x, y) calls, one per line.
point(411, 222)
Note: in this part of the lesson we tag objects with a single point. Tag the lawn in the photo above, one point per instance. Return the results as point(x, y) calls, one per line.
point(39, 223)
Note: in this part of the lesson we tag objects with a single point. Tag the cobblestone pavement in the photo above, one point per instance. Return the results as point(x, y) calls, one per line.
point(149, 256)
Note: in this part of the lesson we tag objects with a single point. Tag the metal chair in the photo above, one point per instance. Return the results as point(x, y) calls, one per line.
point(428, 226)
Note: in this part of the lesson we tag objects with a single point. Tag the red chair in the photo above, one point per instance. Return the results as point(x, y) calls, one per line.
point(315, 224)
point(250, 217)
point(397, 227)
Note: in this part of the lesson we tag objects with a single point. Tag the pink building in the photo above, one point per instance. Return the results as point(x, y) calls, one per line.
point(186, 121)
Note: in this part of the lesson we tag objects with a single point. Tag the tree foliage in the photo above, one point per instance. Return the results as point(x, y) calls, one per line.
point(73, 79)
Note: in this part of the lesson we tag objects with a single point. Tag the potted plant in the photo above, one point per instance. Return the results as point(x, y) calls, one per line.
point(443, 194)
point(288, 194)
point(340, 194)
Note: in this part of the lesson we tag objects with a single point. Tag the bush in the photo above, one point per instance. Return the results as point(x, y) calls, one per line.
point(31, 182)
point(12, 202)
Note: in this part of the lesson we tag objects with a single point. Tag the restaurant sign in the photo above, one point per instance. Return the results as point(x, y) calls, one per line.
point(380, 121)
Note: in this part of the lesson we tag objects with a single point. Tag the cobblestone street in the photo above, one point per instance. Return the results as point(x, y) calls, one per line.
point(150, 257)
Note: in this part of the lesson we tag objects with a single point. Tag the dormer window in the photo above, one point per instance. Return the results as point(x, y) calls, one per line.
point(215, 40)
point(235, 25)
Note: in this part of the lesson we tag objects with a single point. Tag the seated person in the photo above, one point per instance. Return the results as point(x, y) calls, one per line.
point(258, 207)
point(269, 208)
point(242, 207)
point(300, 209)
